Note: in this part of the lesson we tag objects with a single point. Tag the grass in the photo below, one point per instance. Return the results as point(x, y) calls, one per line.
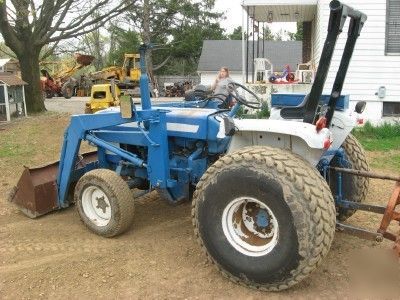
point(384, 140)
point(385, 137)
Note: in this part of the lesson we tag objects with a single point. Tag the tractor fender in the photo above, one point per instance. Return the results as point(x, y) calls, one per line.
point(297, 137)
point(342, 124)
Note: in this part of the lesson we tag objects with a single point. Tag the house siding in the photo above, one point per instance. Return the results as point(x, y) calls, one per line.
point(370, 68)
point(207, 77)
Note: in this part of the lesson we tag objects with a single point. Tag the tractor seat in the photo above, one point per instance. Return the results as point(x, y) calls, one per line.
point(295, 112)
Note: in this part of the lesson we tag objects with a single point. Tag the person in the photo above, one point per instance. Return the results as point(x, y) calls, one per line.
point(220, 85)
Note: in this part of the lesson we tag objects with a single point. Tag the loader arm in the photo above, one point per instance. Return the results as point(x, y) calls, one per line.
point(89, 127)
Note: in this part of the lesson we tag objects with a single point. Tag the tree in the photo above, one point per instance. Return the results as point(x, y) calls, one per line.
point(298, 35)
point(185, 52)
point(94, 43)
point(122, 41)
point(164, 21)
point(236, 34)
point(279, 35)
point(28, 26)
point(267, 33)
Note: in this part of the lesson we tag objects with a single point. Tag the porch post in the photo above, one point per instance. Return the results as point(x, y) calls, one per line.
point(7, 102)
point(23, 98)
point(247, 46)
point(243, 49)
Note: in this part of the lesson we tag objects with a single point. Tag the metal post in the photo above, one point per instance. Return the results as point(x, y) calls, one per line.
point(7, 102)
point(258, 40)
point(252, 58)
point(243, 50)
point(263, 37)
point(247, 45)
point(23, 98)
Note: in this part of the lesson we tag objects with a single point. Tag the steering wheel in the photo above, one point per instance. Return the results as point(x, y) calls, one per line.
point(233, 86)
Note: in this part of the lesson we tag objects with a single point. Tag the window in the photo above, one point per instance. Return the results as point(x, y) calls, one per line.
point(99, 95)
point(391, 109)
point(392, 27)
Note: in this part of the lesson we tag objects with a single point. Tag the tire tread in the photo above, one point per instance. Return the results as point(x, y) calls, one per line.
point(314, 239)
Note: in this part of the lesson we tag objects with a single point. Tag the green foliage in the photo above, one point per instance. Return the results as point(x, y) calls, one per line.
point(181, 25)
point(186, 50)
point(267, 34)
point(122, 41)
point(380, 138)
point(262, 113)
point(298, 35)
point(236, 34)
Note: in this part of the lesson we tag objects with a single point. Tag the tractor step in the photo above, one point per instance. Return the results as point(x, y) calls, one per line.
point(36, 192)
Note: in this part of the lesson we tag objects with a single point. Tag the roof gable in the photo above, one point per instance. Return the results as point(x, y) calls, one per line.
point(11, 80)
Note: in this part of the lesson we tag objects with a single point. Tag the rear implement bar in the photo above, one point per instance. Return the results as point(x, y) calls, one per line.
point(365, 174)
point(389, 211)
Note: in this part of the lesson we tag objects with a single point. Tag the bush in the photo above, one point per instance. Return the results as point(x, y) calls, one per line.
point(384, 131)
point(262, 113)
point(384, 137)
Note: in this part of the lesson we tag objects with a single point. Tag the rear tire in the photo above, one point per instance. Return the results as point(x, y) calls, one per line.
point(264, 217)
point(104, 202)
point(67, 91)
point(355, 188)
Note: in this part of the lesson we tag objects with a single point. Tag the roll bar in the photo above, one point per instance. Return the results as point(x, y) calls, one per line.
point(339, 12)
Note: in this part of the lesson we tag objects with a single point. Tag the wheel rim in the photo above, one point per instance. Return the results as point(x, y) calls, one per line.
point(96, 206)
point(250, 226)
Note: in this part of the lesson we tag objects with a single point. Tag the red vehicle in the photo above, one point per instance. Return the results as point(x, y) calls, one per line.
point(62, 83)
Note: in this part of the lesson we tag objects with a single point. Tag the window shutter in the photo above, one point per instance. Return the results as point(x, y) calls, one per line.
point(393, 27)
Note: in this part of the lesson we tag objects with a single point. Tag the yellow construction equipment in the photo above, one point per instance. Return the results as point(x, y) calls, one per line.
point(102, 96)
point(127, 76)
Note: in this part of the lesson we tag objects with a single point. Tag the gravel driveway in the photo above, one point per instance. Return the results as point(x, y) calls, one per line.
point(76, 105)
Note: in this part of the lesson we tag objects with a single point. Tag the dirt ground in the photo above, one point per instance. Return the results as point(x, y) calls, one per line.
point(55, 256)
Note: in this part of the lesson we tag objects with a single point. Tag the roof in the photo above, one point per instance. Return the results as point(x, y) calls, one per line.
point(218, 53)
point(11, 80)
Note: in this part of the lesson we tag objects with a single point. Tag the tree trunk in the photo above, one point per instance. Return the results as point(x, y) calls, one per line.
point(30, 72)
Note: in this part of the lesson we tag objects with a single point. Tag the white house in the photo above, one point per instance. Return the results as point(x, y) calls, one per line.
point(373, 72)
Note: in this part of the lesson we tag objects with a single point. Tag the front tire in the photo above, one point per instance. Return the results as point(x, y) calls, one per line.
point(264, 217)
point(104, 202)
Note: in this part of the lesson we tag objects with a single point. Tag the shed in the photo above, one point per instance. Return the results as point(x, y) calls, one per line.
point(12, 97)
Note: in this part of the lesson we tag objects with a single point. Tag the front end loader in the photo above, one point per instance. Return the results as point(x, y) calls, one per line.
point(263, 210)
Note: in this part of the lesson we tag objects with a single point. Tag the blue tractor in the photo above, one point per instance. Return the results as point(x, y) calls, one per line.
point(262, 206)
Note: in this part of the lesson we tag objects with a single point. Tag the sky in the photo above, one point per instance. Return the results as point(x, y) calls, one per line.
point(233, 12)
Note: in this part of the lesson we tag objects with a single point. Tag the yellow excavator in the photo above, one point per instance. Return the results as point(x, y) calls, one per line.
point(127, 76)
point(113, 81)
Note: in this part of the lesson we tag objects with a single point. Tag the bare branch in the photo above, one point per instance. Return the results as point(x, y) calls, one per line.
point(9, 35)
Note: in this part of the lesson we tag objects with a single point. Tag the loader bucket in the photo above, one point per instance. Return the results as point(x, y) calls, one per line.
point(36, 191)
point(83, 59)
